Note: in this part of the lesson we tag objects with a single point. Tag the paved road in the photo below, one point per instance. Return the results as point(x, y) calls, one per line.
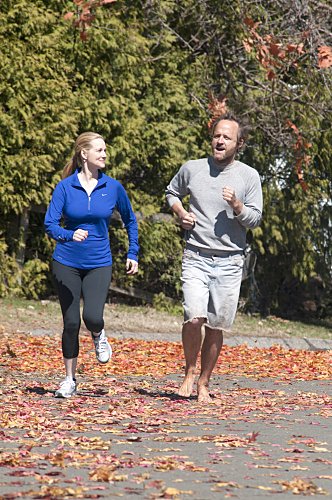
point(126, 436)
point(260, 439)
point(310, 344)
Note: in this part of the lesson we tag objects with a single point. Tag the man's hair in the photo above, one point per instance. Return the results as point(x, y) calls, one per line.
point(243, 126)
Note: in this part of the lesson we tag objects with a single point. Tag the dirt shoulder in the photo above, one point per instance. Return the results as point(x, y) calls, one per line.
point(44, 317)
point(20, 316)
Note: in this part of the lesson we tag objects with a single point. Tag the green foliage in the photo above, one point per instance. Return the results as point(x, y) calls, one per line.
point(166, 304)
point(161, 253)
point(159, 260)
point(36, 94)
point(8, 272)
point(34, 278)
point(142, 79)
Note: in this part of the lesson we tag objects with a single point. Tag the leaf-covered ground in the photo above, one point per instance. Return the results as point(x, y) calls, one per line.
point(127, 433)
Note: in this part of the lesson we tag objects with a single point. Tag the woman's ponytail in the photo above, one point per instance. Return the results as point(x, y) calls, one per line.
point(71, 166)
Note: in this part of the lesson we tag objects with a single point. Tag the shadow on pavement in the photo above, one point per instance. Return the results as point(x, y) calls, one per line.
point(163, 394)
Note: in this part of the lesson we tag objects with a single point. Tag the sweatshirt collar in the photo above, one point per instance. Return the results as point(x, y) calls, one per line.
point(218, 168)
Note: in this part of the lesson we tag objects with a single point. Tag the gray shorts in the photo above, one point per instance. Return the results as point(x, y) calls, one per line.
point(211, 287)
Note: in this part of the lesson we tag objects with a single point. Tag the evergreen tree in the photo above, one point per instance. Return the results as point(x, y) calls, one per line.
point(142, 73)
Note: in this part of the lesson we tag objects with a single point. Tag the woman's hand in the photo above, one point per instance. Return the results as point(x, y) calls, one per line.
point(80, 235)
point(131, 266)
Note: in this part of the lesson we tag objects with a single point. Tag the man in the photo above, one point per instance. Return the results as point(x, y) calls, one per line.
point(225, 198)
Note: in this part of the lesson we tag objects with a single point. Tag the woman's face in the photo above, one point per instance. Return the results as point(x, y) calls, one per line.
point(96, 156)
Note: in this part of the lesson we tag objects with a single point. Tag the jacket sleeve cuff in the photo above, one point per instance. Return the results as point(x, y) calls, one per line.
point(66, 235)
point(132, 256)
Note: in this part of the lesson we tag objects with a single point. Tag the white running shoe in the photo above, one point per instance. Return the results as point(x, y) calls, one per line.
point(103, 348)
point(67, 388)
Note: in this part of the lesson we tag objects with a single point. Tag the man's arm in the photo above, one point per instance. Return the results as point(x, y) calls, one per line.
point(187, 219)
point(175, 191)
point(249, 212)
point(229, 195)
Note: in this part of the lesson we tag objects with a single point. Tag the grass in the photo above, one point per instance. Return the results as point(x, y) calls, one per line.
point(274, 326)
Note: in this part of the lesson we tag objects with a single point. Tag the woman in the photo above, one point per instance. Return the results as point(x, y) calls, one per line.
point(82, 261)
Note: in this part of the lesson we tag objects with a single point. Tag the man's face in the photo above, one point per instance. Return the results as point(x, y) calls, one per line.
point(225, 142)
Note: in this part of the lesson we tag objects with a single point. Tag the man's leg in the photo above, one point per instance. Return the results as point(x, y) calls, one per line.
point(191, 341)
point(195, 287)
point(209, 355)
point(224, 295)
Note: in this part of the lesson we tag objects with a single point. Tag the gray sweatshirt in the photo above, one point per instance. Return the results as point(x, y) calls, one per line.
point(217, 227)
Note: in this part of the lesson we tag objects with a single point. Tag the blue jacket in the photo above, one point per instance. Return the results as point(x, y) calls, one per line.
point(71, 203)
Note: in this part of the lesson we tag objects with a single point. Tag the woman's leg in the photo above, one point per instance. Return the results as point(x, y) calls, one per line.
point(69, 285)
point(95, 290)
point(70, 367)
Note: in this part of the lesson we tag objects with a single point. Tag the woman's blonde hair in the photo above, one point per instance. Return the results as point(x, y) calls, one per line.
point(83, 141)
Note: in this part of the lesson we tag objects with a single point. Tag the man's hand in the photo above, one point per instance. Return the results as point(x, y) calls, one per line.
point(131, 266)
point(188, 220)
point(80, 235)
point(228, 194)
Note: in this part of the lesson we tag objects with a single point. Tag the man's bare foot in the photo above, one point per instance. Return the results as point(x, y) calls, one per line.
point(187, 386)
point(203, 394)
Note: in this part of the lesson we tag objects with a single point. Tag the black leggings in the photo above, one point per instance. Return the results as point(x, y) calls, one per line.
point(92, 285)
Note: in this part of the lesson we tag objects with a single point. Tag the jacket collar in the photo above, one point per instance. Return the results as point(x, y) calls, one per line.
point(102, 179)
